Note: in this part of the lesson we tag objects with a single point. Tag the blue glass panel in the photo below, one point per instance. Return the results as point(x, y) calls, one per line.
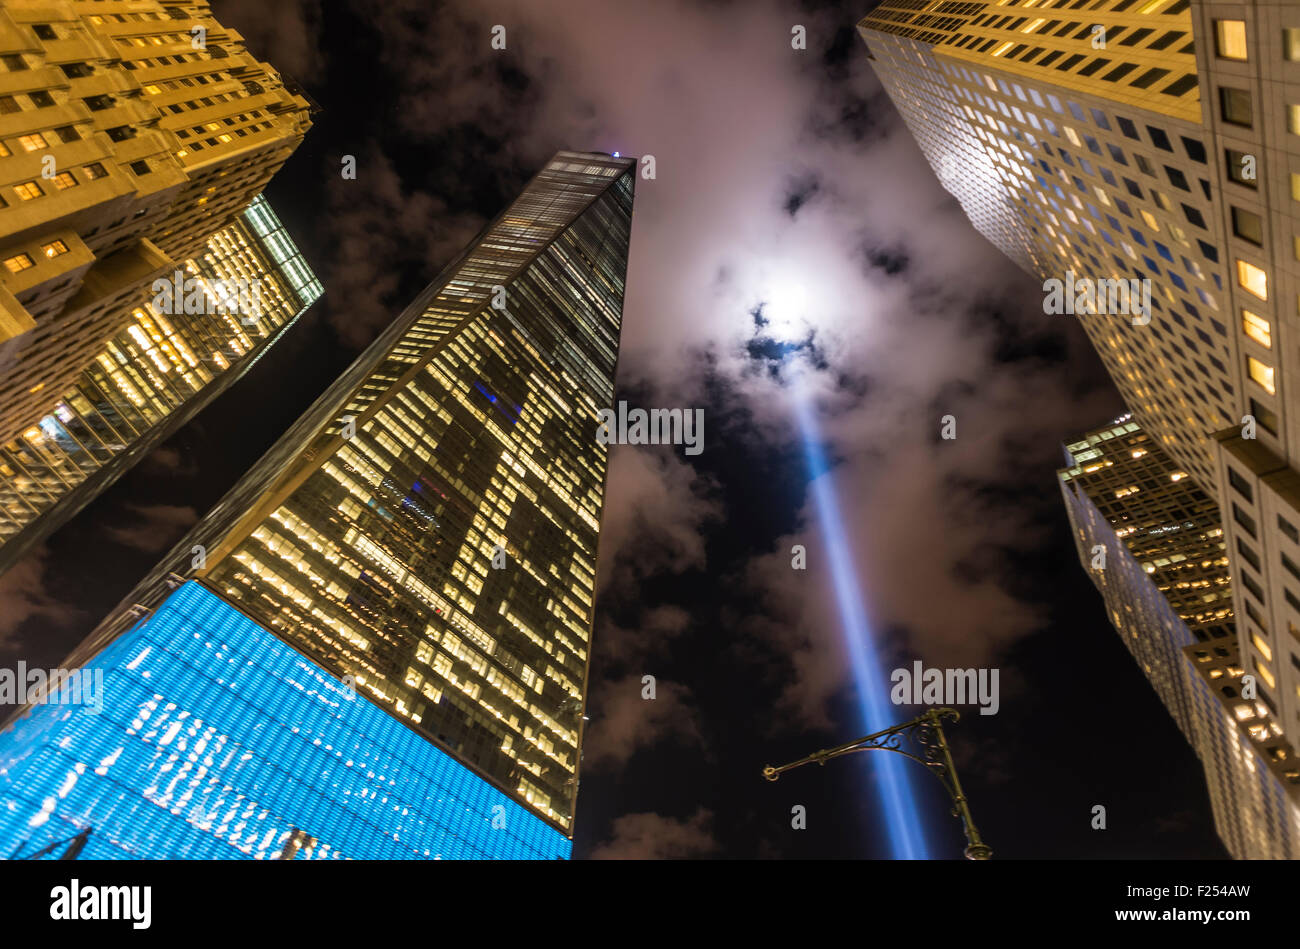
point(218, 741)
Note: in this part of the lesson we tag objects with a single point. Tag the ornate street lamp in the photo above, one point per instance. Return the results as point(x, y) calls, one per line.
point(926, 734)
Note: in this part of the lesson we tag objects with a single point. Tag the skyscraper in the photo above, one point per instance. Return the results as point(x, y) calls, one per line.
point(130, 132)
point(1158, 141)
point(1086, 159)
point(1172, 589)
point(377, 643)
point(1150, 540)
point(153, 376)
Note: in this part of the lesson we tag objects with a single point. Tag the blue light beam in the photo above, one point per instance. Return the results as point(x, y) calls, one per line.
point(894, 785)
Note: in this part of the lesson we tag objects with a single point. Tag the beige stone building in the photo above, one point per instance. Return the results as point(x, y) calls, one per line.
point(130, 132)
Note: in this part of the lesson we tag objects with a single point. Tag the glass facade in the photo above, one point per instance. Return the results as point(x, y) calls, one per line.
point(427, 532)
point(1168, 593)
point(436, 534)
point(1164, 575)
point(151, 378)
point(218, 741)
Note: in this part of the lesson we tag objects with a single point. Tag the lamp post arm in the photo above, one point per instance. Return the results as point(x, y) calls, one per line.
point(926, 732)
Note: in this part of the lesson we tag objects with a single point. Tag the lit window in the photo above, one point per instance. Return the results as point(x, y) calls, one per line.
point(28, 190)
point(1257, 328)
point(64, 180)
point(19, 262)
point(1261, 373)
point(1262, 646)
point(54, 249)
point(1252, 279)
point(34, 142)
point(1293, 119)
point(1231, 36)
point(95, 170)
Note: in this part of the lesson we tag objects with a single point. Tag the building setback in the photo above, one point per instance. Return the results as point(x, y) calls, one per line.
point(376, 645)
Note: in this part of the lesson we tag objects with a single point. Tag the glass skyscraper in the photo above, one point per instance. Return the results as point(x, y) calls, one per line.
point(1151, 542)
point(151, 378)
point(377, 643)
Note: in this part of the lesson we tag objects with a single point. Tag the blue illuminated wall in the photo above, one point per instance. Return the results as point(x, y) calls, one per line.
point(218, 741)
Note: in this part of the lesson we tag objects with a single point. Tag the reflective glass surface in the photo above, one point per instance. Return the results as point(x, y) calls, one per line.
point(216, 740)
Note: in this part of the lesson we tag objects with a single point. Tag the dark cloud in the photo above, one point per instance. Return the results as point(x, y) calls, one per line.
point(23, 597)
point(623, 722)
point(890, 261)
point(379, 225)
point(152, 528)
point(168, 461)
point(654, 837)
point(650, 636)
point(657, 508)
point(285, 33)
point(800, 192)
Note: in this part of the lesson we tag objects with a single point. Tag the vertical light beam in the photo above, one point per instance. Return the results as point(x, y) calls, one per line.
point(894, 785)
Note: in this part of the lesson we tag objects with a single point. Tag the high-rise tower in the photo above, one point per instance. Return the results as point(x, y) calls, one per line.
point(377, 643)
point(1151, 542)
point(154, 376)
point(1157, 141)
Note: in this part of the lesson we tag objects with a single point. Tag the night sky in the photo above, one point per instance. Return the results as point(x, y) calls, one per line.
point(782, 175)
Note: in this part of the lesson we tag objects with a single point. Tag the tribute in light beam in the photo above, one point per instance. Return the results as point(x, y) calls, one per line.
point(899, 809)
